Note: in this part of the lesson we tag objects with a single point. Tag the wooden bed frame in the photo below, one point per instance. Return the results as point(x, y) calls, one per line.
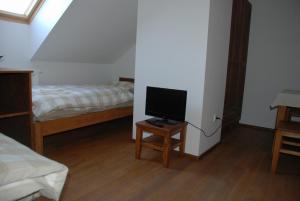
point(50, 127)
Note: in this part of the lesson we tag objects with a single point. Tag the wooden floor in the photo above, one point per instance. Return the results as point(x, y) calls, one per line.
point(103, 167)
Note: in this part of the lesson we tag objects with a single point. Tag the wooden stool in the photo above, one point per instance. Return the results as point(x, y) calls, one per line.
point(284, 133)
point(165, 134)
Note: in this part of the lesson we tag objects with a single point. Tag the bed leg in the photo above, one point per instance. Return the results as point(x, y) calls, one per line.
point(37, 139)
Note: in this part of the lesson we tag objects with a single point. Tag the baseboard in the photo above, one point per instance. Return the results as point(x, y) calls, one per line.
point(193, 157)
point(208, 151)
point(257, 127)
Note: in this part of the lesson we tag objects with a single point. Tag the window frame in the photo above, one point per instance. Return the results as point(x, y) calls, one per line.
point(8, 16)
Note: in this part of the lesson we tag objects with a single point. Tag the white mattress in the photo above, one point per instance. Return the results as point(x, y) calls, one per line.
point(25, 174)
point(69, 112)
point(53, 102)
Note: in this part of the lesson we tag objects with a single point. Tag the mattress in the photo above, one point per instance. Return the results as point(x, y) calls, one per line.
point(58, 101)
point(25, 174)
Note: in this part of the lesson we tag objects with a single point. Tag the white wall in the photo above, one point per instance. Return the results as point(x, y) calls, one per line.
point(44, 21)
point(91, 31)
point(216, 70)
point(71, 73)
point(273, 58)
point(20, 41)
point(171, 53)
point(125, 65)
point(14, 44)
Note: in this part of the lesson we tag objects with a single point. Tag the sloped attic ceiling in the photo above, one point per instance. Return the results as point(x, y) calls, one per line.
point(92, 31)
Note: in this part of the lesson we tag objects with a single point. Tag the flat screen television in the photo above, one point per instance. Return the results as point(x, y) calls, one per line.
point(167, 104)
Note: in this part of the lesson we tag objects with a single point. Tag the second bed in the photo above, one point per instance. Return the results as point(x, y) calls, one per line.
point(62, 108)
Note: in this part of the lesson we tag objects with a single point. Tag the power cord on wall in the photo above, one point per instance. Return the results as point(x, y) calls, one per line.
point(203, 132)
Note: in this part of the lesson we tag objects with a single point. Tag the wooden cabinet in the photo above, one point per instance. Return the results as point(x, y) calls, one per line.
point(15, 104)
point(237, 61)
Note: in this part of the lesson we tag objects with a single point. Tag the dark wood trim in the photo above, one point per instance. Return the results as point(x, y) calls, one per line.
point(257, 127)
point(14, 70)
point(15, 114)
point(190, 156)
point(208, 151)
point(126, 79)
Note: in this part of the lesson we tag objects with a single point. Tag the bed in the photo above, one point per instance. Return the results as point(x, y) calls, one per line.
point(26, 175)
point(116, 103)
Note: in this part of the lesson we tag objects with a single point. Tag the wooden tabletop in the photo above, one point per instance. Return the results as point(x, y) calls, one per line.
point(165, 127)
point(15, 70)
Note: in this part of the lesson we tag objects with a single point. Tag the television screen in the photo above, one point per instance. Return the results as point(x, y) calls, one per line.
point(166, 103)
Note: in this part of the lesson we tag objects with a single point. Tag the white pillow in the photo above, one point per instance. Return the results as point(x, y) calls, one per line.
point(126, 85)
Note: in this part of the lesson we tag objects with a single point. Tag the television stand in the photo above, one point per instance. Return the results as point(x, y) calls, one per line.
point(161, 122)
point(160, 139)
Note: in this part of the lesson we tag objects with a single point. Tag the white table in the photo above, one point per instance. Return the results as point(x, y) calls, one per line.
point(283, 101)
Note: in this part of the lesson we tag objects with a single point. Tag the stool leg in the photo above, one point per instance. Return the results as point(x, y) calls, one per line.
point(276, 151)
point(182, 141)
point(166, 150)
point(138, 143)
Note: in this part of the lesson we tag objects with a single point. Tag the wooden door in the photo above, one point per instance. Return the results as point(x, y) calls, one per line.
point(237, 61)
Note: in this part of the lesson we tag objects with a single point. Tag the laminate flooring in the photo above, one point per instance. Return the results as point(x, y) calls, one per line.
point(102, 165)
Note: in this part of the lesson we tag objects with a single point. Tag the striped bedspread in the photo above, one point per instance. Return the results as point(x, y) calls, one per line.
point(25, 174)
point(78, 99)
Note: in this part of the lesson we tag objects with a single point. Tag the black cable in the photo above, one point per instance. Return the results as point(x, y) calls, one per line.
point(204, 132)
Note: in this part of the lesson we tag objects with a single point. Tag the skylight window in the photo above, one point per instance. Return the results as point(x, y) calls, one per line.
point(22, 9)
